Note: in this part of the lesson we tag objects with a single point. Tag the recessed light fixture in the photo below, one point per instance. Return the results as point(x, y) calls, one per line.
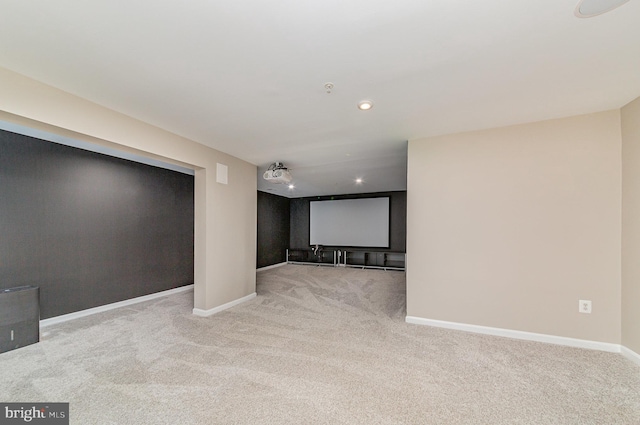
point(365, 105)
point(589, 8)
point(291, 186)
point(358, 181)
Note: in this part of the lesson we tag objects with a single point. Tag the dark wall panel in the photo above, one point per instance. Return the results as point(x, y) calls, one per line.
point(300, 213)
point(273, 229)
point(90, 229)
point(299, 238)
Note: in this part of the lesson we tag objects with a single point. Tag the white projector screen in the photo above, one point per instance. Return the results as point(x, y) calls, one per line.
point(362, 222)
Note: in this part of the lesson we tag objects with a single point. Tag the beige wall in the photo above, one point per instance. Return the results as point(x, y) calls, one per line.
point(510, 227)
point(225, 217)
point(631, 226)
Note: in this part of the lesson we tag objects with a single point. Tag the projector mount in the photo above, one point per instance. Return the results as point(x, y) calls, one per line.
point(276, 166)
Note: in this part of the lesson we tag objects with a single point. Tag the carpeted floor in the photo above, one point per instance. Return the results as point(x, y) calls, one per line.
point(317, 346)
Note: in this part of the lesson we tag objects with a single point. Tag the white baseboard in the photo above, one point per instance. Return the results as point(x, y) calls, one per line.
point(273, 266)
point(100, 309)
point(631, 355)
point(212, 311)
point(508, 333)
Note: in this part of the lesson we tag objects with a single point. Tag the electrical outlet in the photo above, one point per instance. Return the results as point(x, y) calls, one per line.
point(584, 306)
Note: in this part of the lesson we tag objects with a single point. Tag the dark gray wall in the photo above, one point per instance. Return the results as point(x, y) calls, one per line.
point(299, 238)
point(90, 229)
point(273, 229)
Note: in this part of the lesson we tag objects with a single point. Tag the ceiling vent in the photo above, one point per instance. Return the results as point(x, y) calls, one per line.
point(277, 173)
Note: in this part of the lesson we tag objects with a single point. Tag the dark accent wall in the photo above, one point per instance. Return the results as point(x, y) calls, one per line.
point(397, 227)
point(90, 229)
point(273, 229)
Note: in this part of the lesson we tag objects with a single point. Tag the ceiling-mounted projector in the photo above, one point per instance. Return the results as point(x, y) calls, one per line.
point(277, 173)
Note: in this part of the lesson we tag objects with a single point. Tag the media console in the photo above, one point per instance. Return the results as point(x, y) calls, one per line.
point(348, 258)
point(322, 257)
point(374, 259)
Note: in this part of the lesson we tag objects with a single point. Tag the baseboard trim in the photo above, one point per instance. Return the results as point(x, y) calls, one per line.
point(273, 266)
point(212, 311)
point(631, 355)
point(107, 307)
point(508, 333)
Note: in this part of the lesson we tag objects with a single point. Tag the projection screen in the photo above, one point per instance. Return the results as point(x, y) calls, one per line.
point(362, 222)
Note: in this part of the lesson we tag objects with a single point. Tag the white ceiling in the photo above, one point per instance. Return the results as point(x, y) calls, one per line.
point(247, 77)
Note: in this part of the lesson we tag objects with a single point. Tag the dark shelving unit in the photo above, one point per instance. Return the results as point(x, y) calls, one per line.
point(374, 259)
point(324, 257)
point(348, 258)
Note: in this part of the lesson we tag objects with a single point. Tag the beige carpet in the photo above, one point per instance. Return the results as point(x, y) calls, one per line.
point(317, 346)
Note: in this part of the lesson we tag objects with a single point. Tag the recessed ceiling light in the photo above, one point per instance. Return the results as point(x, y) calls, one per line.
point(589, 8)
point(365, 105)
point(358, 181)
point(291, 186)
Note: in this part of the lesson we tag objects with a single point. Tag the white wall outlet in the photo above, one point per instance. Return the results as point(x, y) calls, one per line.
point(584, 306)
